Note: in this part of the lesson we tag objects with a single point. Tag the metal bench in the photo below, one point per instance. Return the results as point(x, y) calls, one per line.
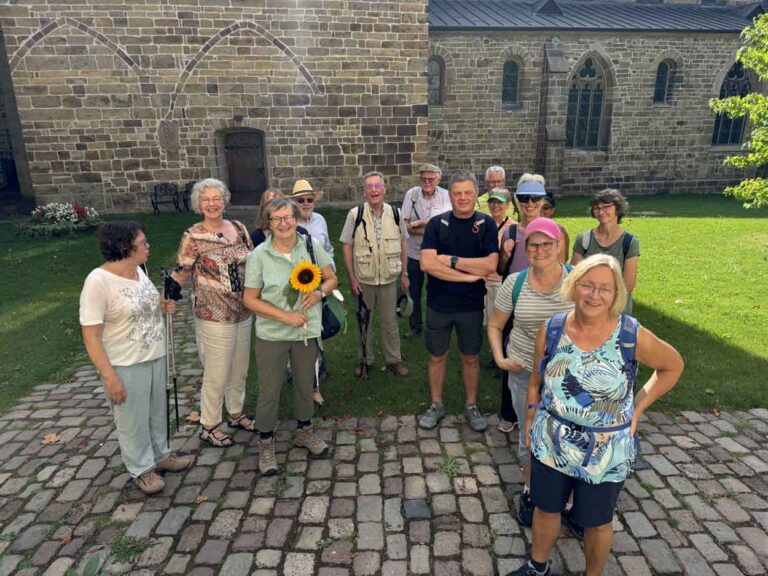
point(165, 193)
point(185, 196)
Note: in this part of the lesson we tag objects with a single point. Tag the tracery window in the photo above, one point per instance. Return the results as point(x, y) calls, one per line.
point(588, 118)
point(729, 131)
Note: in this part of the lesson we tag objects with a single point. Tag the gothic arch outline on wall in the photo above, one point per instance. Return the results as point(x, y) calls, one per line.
point(42, 33)
point(678, 73)
point(244, 25)
point(757, 85)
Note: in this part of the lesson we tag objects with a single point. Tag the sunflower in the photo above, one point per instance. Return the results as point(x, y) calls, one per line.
point(305, 277)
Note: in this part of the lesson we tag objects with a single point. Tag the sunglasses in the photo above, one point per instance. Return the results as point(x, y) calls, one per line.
point(525, 198)
point(305, 200)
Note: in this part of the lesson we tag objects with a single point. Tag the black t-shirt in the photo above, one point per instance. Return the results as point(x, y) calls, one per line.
point(473, 237)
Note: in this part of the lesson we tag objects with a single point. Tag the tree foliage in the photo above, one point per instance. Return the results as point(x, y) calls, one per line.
point(753, 55)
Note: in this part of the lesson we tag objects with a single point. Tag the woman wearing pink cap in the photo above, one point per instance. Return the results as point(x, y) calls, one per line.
point(532, 295)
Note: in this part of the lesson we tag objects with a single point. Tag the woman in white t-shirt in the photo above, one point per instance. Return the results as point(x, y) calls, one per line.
point(123, 330)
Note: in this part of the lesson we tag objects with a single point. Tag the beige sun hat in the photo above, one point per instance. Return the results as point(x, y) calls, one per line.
point(303, 187)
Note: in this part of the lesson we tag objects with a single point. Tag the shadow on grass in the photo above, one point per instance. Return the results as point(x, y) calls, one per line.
point(729, 372)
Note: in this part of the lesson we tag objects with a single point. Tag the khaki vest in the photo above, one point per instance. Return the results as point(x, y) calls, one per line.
point(377, 262)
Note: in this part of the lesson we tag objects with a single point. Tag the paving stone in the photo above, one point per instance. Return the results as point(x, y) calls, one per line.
point(314, 510)
point(660, 556)
point(268, 558)
point(639, 524)
point(573, 554)
point(31, 537)
point(370, 484)
point(635, 565)
point(277, 532)
point(59, 566)
point(212, 552)
point(226, 523)
point(476, 562)
point(155, 554)
point(143, 524)
point(415, 509)
point(419, 559)
point(366, 563)
point(370, 536)
point(393, 518)
point(471, 509)
point(447, 544)
point(756, 539)
point(727, 570)
point(693, 562)
point(173, 520)
point(415, 487)
point(747, 560)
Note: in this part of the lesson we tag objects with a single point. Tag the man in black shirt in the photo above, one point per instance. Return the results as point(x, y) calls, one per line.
point(460, 248)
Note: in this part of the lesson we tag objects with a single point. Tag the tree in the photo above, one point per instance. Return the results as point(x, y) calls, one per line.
point(754, 55)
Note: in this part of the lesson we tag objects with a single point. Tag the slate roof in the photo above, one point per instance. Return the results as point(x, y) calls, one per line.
point(565, 15)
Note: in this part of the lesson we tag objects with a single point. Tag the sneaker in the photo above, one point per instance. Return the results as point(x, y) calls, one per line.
point(528, 570)
point(506, 426)
point(398, 369)
point(267, 461)
point(525, 509)
point(173, 464)
point(150, 482)
point(476, 420)
point(576, 529)
point(305, 438)
point(432, 416)
point(413, 333)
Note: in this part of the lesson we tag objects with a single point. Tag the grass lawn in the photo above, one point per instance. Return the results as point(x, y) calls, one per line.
point(702, 282)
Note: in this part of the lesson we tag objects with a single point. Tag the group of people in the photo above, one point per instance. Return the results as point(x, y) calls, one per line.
point(560, 333)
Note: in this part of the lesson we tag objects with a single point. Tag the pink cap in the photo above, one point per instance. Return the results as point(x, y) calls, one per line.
point(545, 226)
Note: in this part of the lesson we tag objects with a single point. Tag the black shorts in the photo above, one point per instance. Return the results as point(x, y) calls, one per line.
point(469, 331)
point(593, 504)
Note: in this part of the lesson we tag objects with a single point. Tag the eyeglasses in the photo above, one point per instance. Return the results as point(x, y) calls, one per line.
point(546, 207)
point(603, 207)
point(545, 246)
point(590, 289)
point(279, 219)
point(144, 243)
point(525, 198)
point(429, 180)
point(374, 186)
point(215, 200)
point(305, 200)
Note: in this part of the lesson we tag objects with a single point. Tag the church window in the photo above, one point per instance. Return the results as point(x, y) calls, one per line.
point(588, 117)
point(509, 89)
point(730, 131)
point(662, 91)
point(435, 81)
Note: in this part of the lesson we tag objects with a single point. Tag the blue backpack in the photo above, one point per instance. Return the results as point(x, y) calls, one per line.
point(627, 343)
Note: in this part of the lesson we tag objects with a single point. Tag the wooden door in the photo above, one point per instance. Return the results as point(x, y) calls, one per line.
point(246, 165)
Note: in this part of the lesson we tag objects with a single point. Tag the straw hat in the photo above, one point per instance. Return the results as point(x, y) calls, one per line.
point(302, 188)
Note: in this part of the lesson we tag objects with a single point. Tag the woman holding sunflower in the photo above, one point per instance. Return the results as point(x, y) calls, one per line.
point(284, 288)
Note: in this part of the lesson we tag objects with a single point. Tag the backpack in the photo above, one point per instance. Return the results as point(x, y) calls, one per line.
point(627, 343)
point(445, 222)
point(359, 220)
point(626, 242)
point(511, 233)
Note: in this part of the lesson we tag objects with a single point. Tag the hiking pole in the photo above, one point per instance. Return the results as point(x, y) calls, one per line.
point(172, 291)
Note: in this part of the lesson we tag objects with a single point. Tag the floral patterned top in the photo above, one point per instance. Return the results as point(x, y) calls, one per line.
point(217, 268)
point(591, 391)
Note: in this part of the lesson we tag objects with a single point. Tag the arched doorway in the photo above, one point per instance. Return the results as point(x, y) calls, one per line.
point(246, 164)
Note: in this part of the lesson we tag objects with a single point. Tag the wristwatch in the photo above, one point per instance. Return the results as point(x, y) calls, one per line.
point(454, 261)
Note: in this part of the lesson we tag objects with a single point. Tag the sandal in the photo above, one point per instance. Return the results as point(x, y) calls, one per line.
point(216, 437)
point(237, 422)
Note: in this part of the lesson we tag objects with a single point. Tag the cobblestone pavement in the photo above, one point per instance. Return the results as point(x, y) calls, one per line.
point(392, 499)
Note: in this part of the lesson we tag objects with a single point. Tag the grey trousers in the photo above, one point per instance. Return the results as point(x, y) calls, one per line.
point(142, 419)
point(271, 361)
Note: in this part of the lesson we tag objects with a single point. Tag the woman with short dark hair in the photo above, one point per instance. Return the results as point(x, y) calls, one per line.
point(609, 207)
point(123, 330)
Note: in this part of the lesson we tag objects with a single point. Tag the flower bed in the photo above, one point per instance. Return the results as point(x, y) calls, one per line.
point(60, 218)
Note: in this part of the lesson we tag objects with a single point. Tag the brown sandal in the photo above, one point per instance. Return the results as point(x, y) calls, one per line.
point(237, 422)
point(216, 437)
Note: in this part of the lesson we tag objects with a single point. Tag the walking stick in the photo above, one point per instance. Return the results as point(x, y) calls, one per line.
point(172, 291)
point(363, 322)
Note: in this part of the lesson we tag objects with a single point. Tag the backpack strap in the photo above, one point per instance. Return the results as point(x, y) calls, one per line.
point(396, 215)
point(626, 242)
point(554, 327)
point(445, 222)
point(628, 347)
point(310, 248)
point(518, 287)
point(586, 240)
point(511, 233)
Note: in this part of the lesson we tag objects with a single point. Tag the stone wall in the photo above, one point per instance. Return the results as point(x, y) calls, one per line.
point(116, 97)
point(653, 148)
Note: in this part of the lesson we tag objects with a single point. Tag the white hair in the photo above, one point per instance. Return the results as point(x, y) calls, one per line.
point(197, 189)
point(492, 169)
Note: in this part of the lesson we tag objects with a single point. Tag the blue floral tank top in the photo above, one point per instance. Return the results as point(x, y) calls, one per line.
point(586, 394)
